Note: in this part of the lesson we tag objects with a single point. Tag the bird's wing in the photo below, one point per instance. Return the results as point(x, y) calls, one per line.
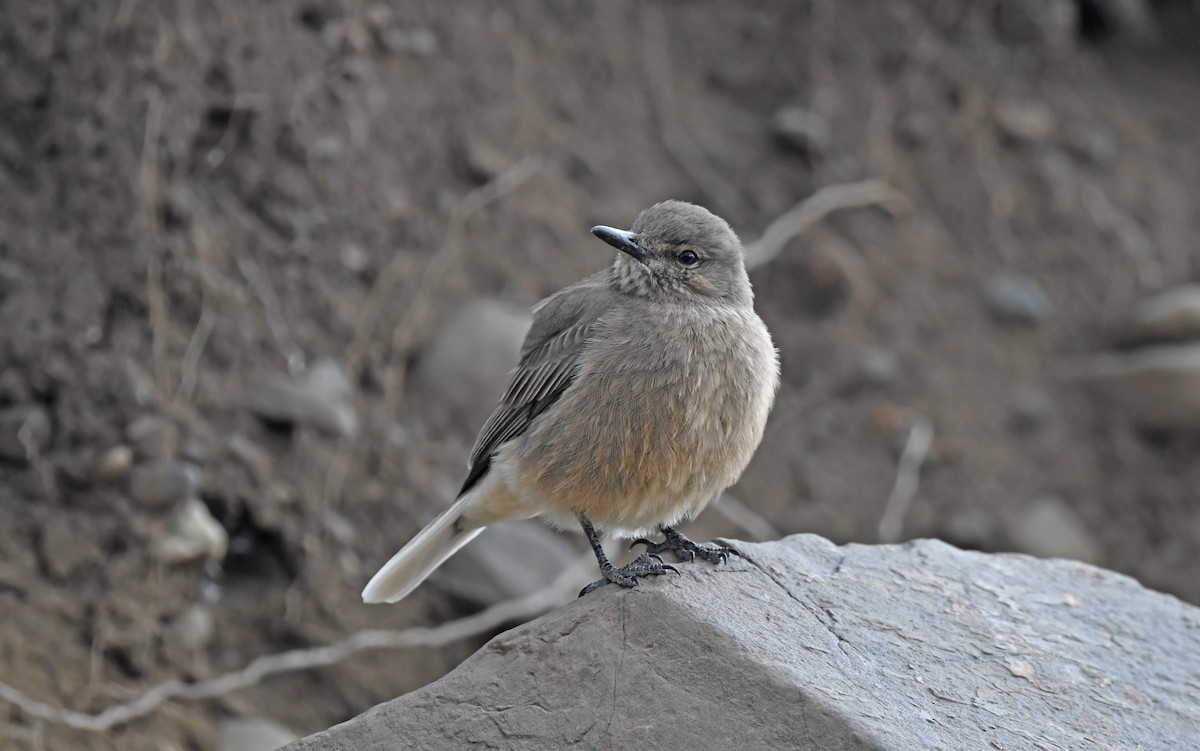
point(550, 358)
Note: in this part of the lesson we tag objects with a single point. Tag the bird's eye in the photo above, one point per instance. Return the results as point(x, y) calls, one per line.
point(688, 259)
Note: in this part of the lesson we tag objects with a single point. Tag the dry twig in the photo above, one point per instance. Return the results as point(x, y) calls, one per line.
point(148, 189)
point(908, 475)
point(816, 207)
point(518, 609)
point(746, 518)
point(675, 139)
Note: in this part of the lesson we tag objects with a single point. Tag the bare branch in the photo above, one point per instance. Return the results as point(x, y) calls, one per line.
point(746, 518)
point(908, 475)
point(519, 609)
point(816, 207)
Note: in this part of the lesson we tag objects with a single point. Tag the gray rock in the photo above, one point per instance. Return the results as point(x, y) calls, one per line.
point(323, 397)
point(1172, 315)
point(1016, 299)
point(805, 645)
point(252, 734)
point(162, 482)
point(506, 561)
point(466, 363)
point(802, 129)
point(1157, 387)
point(24, 432)
point(1051, 529)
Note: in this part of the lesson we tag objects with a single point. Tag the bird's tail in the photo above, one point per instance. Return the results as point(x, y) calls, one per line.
point(442, 538)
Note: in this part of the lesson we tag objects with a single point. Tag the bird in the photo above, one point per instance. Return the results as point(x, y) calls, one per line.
point(641, 394)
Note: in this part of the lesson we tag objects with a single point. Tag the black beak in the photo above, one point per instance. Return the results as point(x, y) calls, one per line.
point(626, 242)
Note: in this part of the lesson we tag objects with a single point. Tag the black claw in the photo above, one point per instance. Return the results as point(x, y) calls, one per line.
point(655, 556)
point(640, 541)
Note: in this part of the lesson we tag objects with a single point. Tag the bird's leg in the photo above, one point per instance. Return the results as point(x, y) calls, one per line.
point(646, 564)
point(684, 549)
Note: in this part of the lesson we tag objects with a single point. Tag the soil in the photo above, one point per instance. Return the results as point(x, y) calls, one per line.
point(198, 194)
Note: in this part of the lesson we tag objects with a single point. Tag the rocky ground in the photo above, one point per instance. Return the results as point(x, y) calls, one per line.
point(232, 236)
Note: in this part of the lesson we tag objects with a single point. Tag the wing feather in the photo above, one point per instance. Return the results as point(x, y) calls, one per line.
point(562, 326)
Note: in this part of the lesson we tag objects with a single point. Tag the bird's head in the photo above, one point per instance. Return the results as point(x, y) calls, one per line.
point(678, 249)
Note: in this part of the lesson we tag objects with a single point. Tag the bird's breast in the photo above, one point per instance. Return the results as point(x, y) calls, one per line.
point(665, 412)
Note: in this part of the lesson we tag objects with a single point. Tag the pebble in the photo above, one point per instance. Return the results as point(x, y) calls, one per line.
point(354, 258)
point(113, 465)
point(323, 398)
point(1051, 529)
point(506, 561)
point(163, 482)
point(24, 433)
point(194, 627)
point(1031, 408)
point(802, 129)
point(152, 436)
point(1016, 299)
point(193, 534)
point(877, 366)
point(467, 361)
point(254, 457)
point(1155, 387)
point(1093, 143)
point(417, 41)
point(1172, 315)
point(1024, 121)
point(252, 734)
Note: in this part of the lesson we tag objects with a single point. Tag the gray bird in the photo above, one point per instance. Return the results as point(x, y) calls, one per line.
point(641, 394)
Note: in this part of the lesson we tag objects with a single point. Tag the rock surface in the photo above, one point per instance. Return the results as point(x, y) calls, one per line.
point(806, 645)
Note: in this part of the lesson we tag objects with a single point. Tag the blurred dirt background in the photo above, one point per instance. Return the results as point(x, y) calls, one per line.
point(231, 235)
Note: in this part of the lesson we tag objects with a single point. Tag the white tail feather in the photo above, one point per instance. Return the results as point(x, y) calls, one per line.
point(418, 559)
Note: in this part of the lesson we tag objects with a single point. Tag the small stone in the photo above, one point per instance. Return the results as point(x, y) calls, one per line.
point(802, 129)
point(325, 147)
point(194, 627)
point(354, 259)
point(323, 398)
point(877, 366)
point(1093, 143)
point(1031, 407)
point(1155, 387)
point(152, 436)
point(416, 41)
point(24, 433)
point(162, 482)
point(113, 465)
point(1051, 529)
point(193, 534)
point(1172, 315)
point(1024, 121)
point(466, 363)
point(483, 159)
point(1016, 299)
point(506, 561)
point(252, 734)
point(195, 449)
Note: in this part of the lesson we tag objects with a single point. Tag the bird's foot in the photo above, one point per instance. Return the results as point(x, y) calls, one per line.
point(684, 549)
point(646, 564)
